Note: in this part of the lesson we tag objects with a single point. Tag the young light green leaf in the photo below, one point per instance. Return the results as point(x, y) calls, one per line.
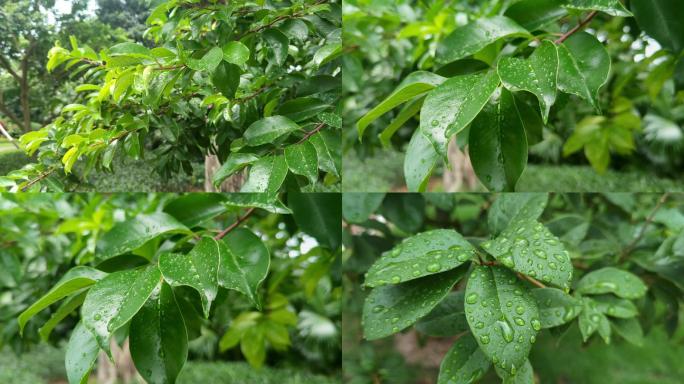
point(75, 279)
point(198, 269)
point(630, 330)
point(81, 354)
point(235, 162)
point(421, 255)
point(611, 7)
point(302, 160)
point(612, 280)
point(615, 307)
point(208, 62)
point(591, 320)
point(537, 74)
point(236, 53)
point(405, 113)
point(464, 363)
point(584, 67)
point(115, 299)
point(268, 129)
point(469, 39)
point(158, 338)
point(258, 200)
point(555, 306)
point(356, 207)
point(64, 310)
point(244, 263)
point(510, 207)
point(450, 107)
point(497, 144)
point(389, 309)
point(502, 315)
point(133, 233)
point(413, 85)
point(129, 49)
point(528, 247)
point(266, 175)
point(446, 319)
point(328, 148)
point(419, 162)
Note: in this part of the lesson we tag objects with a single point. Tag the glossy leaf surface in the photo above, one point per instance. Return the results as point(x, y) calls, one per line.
point(464, 363)
point(244, 263)
point(612, 280)
point(419, 162)
point(584, 67)
point(81, 354)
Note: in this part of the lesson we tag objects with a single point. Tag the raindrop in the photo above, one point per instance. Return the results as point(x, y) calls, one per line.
point(484, 339)
point(536, 325)
point(519, 321)
point(472, 298)
point(539, 253)
point(506, 331)
point(519, 309)
point(434, 267)
point(396, 279)
point(507, 261)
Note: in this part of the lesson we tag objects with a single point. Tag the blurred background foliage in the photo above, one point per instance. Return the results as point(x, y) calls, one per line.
point(387, 40)
point(597, 229)
point(44, 235)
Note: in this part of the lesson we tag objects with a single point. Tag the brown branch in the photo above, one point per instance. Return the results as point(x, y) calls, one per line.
point(579, 26)
point(277, 20)
point(39, 178)
point(311, 133)
point(642, 232)
point(531, 280)
point(8, 112)
point(237, 222)
point(8, 66)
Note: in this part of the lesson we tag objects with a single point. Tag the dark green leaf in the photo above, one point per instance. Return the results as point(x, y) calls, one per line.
point(611, 7)
point(356, 207)
point(419, 162)
point(319, 215)
point(302, 108)
point(195, 208)
point(406, 211)
point(278, 43)
point(535, 14)
point(464, 363)
point(630, 330)
point(226, 79)
point(612, 280)
point(81, 354)
point(268, 129)
point(446, 319)
point(555, 306)
point(328, 148)
point(584, 67)
point(266, 175)
point(662, 20)
point(302, 159)
point(591, 320)
point(258, 200)
point(510, 207)
point(615, 307)
point(244, 263)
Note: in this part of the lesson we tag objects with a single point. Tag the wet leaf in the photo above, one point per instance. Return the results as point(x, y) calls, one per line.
point(158, 338)
point(266, 175)
point(612, 280)
point(615, 307)
point(302, 159)
point(329, 150)
point(419, 162)
point(268, 129)
point(584, 67)
point(446, 319)
point(244, 263)
point(591, 320)
point(528, 247)
point(503, 316)
point(536, 14)
point(389, 309)
point(258, 200)
point(424, 254)
point(208, 62)
point(537, 74)
point(510, 207)
point(81, 354)
point(611, 7)
point(235, 162)
point(524, 375)
point(64, 310)
point(630, 330)
point(555, 306)
point(464, 363)
point(357, 207)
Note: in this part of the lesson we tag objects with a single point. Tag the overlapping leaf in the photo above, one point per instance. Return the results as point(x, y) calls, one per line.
point(244, 263)
point(584, 67)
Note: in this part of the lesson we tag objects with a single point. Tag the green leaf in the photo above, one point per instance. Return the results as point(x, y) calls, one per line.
point(611, 7)
point(133, 233)
point(471, 38)
point(318, 214)
point(258, 200)
point(158, 338)
point(327, 53)
point(194, 209)
point(420, 255)
point(405, 114)
point(389, 309)
point(591, 320)
point(244, 263)
point(419, 162)
point(236, 53)
point(64, 310)
point(537, 74)
point(266, 175)
point(630, 330)
point(328, 148)
point(661, 20)
point(208, 62)
point(74, 280)
point(524, 375)
point(536, 14)
point(450, 107)
point(584, 67)
point(129, 49)
point(278, 43)
point(198, 269)
point(406, 211)
point(253, 346)
point(114, 300)
point(497, 144)
point(464, 363)
point(555, 306)
point(226, 78)
point(268, 129)
point(615, 307)
point(302, 108)
point(81, 354)
point(302, 160)
point(511, 207)
point(357, 207)
point(235, 162)
point(502, 315)
point(446, 319)
point(413, 85)
point(612, 280)
point(528, 247)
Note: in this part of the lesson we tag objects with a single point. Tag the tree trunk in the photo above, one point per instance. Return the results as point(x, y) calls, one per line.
point(461, 176)
point(122, 371)
point(231, 184)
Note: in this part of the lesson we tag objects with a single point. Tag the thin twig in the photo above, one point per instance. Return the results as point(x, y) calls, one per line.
point(237, 222)
point(37, 179)
point(311, 133)
point(531, 280)
point(642, 232)
point(579, 26)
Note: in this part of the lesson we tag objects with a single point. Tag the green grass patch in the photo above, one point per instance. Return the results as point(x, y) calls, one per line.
point(234, 372)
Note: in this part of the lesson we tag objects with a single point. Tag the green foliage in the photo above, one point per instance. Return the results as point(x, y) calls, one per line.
point(136, 271)
point(591, 247)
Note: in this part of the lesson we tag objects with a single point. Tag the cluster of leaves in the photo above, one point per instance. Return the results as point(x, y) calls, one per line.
point(489, 81)
point(255, 85)
point(159, 270)
point(582, 260)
